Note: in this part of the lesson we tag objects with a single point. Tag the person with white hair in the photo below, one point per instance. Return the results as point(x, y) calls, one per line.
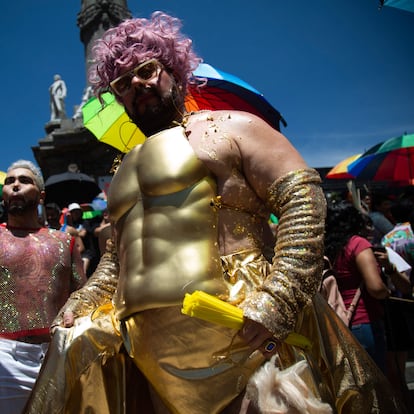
point(39, 269)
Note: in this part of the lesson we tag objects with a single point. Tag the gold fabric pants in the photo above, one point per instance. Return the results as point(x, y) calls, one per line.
point(196, 367)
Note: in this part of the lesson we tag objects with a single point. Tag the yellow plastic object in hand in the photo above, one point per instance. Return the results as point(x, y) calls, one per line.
point(212, 309)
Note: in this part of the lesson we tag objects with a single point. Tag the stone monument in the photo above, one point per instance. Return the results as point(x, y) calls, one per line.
point(67, 141)
point(57, 92)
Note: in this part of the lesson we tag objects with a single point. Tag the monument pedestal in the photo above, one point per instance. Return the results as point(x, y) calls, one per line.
point(67, 142)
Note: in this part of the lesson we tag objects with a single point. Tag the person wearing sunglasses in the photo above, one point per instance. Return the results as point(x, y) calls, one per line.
point(189, 208)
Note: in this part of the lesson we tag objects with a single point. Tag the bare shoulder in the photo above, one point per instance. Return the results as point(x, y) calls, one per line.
point(212, 135)
point(232, 124)
point(239, 125)
point(224, 117)
point(256, 142)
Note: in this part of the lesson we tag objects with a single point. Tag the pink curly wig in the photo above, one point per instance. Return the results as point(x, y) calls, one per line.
point(136, 40)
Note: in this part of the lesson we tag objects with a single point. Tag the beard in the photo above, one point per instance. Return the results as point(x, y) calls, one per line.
point(20, 207)
point(160, 115)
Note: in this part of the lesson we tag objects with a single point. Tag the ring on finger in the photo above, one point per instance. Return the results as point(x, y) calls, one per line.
point(270, 345)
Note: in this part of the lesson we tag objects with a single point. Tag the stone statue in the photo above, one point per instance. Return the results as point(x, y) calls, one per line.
point(57, 99)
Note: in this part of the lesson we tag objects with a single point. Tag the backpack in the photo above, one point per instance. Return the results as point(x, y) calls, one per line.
point(330, 291)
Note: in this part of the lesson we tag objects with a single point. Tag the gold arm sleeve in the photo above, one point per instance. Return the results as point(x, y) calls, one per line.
point(298, 201)
point(98, 290)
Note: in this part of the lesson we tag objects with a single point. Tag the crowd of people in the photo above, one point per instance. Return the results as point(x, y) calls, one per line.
point(85, 230)
point(212, 201)
point(370, 245)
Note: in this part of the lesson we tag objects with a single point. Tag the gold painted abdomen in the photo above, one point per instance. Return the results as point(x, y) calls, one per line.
point(168, 243)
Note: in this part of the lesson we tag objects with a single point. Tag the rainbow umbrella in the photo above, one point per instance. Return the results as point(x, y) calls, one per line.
point(340, 171)
point(216, 90)
point(109, 123)
point(391, 160)
point(226, 91)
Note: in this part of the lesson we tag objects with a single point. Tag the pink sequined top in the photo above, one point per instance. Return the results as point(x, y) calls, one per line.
point(38, 271)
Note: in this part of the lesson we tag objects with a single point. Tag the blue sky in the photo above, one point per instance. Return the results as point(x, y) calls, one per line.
point(340, 72)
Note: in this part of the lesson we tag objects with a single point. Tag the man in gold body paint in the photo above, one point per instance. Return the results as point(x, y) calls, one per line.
point(190, 210)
